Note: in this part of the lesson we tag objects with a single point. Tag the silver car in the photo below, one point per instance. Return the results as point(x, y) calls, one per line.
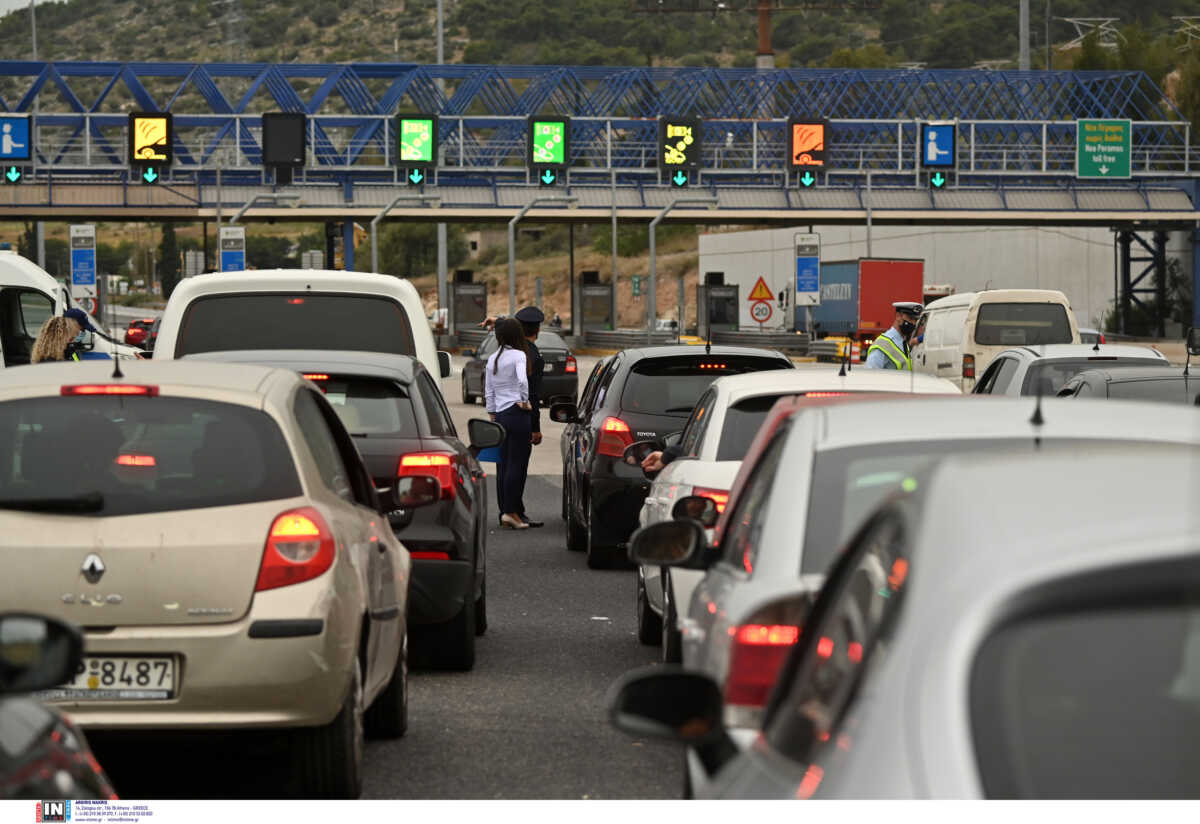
point(1044, 644)
point(1030, 370)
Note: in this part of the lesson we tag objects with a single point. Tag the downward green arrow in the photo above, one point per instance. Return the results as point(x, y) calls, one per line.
point(416, 176)
point(680, 178)
point(807, 179)
point(149, 175)
point(938, 180)
point(13, 174)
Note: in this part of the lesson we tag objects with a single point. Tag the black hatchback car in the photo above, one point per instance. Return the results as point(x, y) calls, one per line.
point(635, 395)
point(1165, 384)
point(395, 412)
point(560, 377)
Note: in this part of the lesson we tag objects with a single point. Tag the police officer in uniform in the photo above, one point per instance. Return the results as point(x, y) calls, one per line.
point(890, 350)
point(531, 319)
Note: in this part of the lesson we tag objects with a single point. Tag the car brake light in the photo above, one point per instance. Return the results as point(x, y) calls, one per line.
point(136, 460)
point(295, 301)
point(721, 496)
point(572, 365)
point(615, 435)
point(109, 389)
point(418, 555)
point(968, 366)
point(438, 464)
point(825, 394)
point(299, 548)
point(315, 376)
point(758, 653)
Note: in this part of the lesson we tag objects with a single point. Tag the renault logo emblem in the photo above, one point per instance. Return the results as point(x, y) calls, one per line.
point(93, 568)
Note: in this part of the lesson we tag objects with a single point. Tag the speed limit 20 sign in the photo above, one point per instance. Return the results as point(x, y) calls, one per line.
point(761, 311)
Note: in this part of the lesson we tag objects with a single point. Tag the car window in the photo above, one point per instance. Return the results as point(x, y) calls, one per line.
point(143, 454)
point(933, 330)
point(589, 388)
point(361, 486)
point(740, 544)
point(918, 335)
point(320, 442)
point(1004, 376)
point(440, 424)
point(1051, 376)
point(742, 422)
point(606, 379)
point(369, 406)
point(36, 308)
point(363, 323)
point(1093, 700)
point(847, 635)
point(984, 386)
point(549, 340)
point(671, 386)
point(487, 347)
point(1163, 390)
point(693, 432)
point(1022, 324)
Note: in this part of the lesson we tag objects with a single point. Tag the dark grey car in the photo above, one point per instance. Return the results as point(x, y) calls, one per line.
point(560, 379)
point(1164, 384)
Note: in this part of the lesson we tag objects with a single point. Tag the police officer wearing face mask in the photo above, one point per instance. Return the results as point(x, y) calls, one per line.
point(890, 350)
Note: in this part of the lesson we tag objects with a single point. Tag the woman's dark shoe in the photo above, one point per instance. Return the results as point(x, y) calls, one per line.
point(533, 524)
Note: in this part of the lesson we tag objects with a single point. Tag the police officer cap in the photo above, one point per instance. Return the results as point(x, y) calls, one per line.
point(908, 307)
point(531, 314)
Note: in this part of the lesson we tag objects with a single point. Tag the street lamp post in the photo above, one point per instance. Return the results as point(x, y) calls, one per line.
point(383, 213)
point(512, 244)
point(652, 298)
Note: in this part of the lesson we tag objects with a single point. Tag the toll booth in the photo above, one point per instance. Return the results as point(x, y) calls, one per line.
point(468, 304)
point(718, 305)
point(597, 300)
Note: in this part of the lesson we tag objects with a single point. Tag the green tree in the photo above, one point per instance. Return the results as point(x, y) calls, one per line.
point(168, 260)
point(114, 260)
point(269, 252)
point(1093, 56)
point(410, 249)
point(1187, 91)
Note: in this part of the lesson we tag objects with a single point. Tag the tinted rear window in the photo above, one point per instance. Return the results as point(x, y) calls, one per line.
point(549, 340)
point(369, 406)
point(1166, 390)
point(1098, 703)
point(143, 454)
point(1053, 375)
point(742, 422)
point(1022, 324)
point(295, 321)
point(671, 386)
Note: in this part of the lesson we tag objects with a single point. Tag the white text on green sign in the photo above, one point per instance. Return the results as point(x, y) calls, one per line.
point(416, 141)
point(1103, 148)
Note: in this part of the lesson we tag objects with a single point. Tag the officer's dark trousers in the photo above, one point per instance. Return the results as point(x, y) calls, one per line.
point(513, 467)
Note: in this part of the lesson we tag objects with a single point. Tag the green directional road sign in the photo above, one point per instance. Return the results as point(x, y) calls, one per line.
point(416, 140)
point(938, 180)
point(150, 175)
point(1103, 148)
point(637, 286)
point(548, 141)
point(548, 177)
point(807, 179)
point(415, 177)
point(679, 179)
point(13, 174)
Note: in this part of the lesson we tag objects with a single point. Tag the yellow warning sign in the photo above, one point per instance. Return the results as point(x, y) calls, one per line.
point(761, 291)
point(150, 139)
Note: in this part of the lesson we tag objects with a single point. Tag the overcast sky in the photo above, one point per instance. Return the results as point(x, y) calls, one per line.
point(8, 5)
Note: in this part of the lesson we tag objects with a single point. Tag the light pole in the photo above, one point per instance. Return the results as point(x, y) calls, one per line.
point(512, 244)
point(652, 298)
point(273, 199)
point(40, 228)
point(442, 289)
point(434, 199)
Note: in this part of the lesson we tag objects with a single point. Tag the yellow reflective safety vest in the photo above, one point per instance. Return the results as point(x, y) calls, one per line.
point(892, 350)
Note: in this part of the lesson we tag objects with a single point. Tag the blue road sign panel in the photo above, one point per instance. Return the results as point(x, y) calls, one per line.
point(232, 261)
point(14, 138)
point(83, 267)
point(937, 145)
point(808, 274)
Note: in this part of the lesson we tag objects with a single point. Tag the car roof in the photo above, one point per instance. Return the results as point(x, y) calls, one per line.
point(691, 350)
point(37, 379)
point(1136, 373)
point(930, 418)
point(997, 296)
point(279, 280)
point(829, 379)
point(1055, 351)
point(401, 368)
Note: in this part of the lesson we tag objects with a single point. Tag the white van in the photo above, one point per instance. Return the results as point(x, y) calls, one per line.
point(29, 295)
point(298, 309)
point(957, 336)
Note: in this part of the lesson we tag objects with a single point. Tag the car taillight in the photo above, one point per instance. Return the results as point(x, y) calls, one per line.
point(438, 464)
point(756, 657)
point(614, 436)
point(572, 365)
point(825, 394)
point(136, 460)
point(968, 366)
point(109, 389)
point(1102, 338)
point(721, 496)
point(315, 376)
point(299, 548)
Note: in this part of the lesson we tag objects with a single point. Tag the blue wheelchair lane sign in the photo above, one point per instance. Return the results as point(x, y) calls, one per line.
point(14, 137)
point(938, 145)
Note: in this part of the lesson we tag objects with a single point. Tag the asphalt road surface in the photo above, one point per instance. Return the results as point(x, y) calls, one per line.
point(530, 721)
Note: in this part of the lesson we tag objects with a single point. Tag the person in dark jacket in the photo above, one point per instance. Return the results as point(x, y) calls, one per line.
point(531, 319)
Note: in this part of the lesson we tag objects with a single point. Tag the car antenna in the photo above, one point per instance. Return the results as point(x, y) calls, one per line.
point(845, 361)
point(117, 373)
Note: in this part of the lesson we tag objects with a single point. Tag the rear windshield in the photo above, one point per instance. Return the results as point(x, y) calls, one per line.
point(279, 320)
point(1165, 390)
point(671, 386)
point(742, 422)
point(1053, 375)
point(142, 454)
point(369, 406)
point(549, 340)
point(1022, 324)
point(1098, 703)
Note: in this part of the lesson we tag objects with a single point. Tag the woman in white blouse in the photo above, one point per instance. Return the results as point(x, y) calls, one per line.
point(506, 393)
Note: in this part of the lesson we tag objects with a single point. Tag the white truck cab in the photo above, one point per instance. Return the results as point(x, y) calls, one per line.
point(29, 295)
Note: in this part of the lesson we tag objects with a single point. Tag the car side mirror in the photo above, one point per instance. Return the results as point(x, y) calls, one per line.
point(564, 413)
point(88, 342)
point(698, 508)
point(409, 493)
point(484, 434)
point(1193, 341)
point(668, 543)
point(36, 652)
point(635, 453)
point(444, 363)
point(671, 703)
point(673, 439)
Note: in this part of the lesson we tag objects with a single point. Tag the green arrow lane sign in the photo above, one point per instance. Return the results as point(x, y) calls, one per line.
point(807, 179)
point(938, 180)
point(680, 178)
point(13, 174)
point(548, 177)
point(1103, 148)
point(416, 177)
point(149, 175)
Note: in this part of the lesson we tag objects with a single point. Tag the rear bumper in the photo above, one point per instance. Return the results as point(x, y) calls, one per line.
point(439, 590)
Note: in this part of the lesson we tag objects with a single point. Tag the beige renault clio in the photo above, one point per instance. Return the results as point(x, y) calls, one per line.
point(213, 530)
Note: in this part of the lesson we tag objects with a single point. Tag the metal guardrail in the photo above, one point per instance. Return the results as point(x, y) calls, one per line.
point(790, 342)
point(626, 338)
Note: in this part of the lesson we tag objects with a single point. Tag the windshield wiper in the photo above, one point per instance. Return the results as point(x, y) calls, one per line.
point(89, 502)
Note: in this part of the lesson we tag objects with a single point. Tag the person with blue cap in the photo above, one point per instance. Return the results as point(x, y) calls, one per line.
point(84, 322)
point(891, 350)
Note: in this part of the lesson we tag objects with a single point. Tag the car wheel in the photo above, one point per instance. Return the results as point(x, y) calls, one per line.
point(672, 640)
point(388, 716)
point(481, 610)
point(467, 397)
point(454, 647)
point(565, 509)
point(576, 534)
point(597, 556)
point(649, 625)
point(329, 759)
